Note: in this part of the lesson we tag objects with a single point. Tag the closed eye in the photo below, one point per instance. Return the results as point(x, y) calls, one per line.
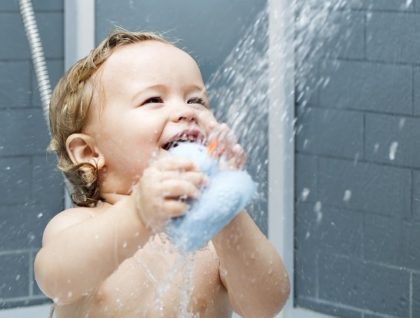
point(197, 100)
point(153, 100)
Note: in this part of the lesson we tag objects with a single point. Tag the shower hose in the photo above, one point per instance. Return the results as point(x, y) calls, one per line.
point(37, 53)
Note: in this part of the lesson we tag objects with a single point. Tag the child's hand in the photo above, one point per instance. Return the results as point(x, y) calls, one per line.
point(163, 190)
point(224, 145)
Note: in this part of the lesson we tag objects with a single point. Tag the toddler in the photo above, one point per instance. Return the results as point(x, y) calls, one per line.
point(113, 117)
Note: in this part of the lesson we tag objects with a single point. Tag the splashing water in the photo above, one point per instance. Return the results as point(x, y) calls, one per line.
point(238, 90)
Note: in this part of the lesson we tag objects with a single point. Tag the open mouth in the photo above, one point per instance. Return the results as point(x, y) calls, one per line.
point(184, 136)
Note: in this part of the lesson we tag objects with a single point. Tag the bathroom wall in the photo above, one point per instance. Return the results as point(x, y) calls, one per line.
point(357, 167)
point(31, 190)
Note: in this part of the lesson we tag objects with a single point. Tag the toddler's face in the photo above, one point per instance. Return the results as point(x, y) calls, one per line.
point(151, 94)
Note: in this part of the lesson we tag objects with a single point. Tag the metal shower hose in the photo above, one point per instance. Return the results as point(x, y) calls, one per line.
point(37, 52)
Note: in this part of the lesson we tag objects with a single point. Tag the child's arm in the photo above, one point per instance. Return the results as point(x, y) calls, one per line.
point(83, 246)
point(250, 269)
point(81, 249)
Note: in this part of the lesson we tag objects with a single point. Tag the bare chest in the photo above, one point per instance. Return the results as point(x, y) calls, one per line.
point(160, 284)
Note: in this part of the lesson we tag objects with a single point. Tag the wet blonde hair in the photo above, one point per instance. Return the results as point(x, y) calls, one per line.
point(69, 109)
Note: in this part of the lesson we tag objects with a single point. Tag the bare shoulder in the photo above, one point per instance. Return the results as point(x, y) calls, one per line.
point(65, 220)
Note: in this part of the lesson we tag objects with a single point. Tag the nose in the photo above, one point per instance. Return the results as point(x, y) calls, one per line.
point(184, 112)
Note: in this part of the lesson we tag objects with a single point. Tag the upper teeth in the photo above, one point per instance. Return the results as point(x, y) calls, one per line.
point(182, 138)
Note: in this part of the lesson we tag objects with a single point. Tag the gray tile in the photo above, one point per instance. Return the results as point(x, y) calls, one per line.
point(51, 29)
point(22, 225)
point(416, 295)
point(393, 140)
point(411, 245)
point(48, 5)
point(383, 241)
point(366, 187)
point(393, 5)
point(416, 195)
point(417, 5)
point(305, 273)
point(9, 5)
point(328, 229)
point(23, 132)
point(330, 309)
point(14, 275)
point(336, 5)
point(331, 132)
point(307, 83)
point(417, 91)
point(368, 86)
point(352, 282)
point(38, 5)
point(16, 178)
point(55, 72)
point(13, 40)
point(48, 183)
point(347, 39)
point(393, 37)
point(15, 84)
point(329, 33)
point(306, 178)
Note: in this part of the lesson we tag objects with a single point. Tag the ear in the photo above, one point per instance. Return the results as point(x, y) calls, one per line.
point(82, 148)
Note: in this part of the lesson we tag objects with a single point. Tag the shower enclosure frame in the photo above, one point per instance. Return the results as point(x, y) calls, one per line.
point(281, 150)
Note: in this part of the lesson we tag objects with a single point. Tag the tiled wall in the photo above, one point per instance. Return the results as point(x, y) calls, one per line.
point(31, 190)
point(358, 161)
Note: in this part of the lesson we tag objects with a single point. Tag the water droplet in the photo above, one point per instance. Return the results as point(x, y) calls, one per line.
point(317, 210)
point(347, 196)
point(69, 294)
point(305, 193)
point(356, 158)
point(39, 215)
point(31, 237)
point(401, 124)
point(17, 277)
point(125, 244)
point(376, 147)
point(7, 168)
point(393, 150)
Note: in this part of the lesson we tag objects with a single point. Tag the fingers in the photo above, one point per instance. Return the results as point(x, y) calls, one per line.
point(224, 144)
point(197, 178)
point(174, 189)
point(174, 208)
